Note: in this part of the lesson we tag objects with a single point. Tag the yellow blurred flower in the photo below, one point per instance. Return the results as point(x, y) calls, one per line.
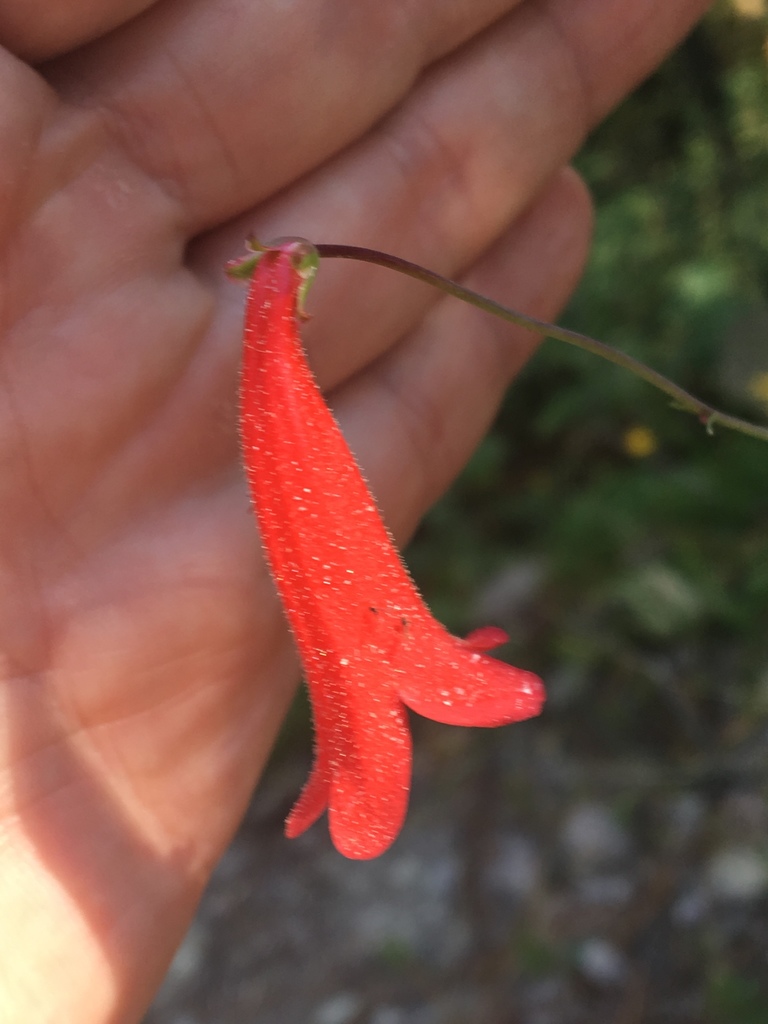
point(749, 8)
point(758, 387)
point(639, 442)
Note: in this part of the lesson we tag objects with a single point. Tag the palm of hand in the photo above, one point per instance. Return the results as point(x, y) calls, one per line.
point(145, 664)
point(135, 608)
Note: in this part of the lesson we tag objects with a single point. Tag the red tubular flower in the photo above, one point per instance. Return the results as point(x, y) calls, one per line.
point(368, 644)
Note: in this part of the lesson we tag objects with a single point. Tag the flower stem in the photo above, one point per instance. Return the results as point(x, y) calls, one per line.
point(681, 398)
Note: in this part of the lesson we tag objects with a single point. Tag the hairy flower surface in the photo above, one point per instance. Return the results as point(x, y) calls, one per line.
point(368, 644)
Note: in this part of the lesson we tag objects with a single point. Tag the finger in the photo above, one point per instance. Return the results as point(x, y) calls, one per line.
point(38, 29)
point(26, 104)
point(199, 99)
point(226, 104)
point(435, 183)
point(433, 397)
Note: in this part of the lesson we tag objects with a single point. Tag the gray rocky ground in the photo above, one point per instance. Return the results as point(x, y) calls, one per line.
point(524, 888)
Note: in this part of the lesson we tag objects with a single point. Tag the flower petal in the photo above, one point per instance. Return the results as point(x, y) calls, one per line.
point(452, 683)
point(486, 638)
point(370, 786)
point(312, 801)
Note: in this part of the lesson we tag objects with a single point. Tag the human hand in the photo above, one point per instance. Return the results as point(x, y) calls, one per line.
point(146, 665)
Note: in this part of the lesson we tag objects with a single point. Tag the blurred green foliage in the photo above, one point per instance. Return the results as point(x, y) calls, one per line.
point(733, 999)
point(647, 610)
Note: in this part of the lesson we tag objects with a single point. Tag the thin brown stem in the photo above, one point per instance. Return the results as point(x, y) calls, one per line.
point(706, 414)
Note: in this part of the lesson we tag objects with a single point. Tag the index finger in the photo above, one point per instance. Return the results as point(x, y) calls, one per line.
point(38, 30)
point(226, 104)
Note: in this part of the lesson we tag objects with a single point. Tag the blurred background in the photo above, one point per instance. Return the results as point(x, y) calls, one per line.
point(609, 861)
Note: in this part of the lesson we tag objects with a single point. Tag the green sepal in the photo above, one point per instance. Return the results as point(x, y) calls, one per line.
point(304, 255)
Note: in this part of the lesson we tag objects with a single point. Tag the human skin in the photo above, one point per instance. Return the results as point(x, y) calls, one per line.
point(145, 662)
